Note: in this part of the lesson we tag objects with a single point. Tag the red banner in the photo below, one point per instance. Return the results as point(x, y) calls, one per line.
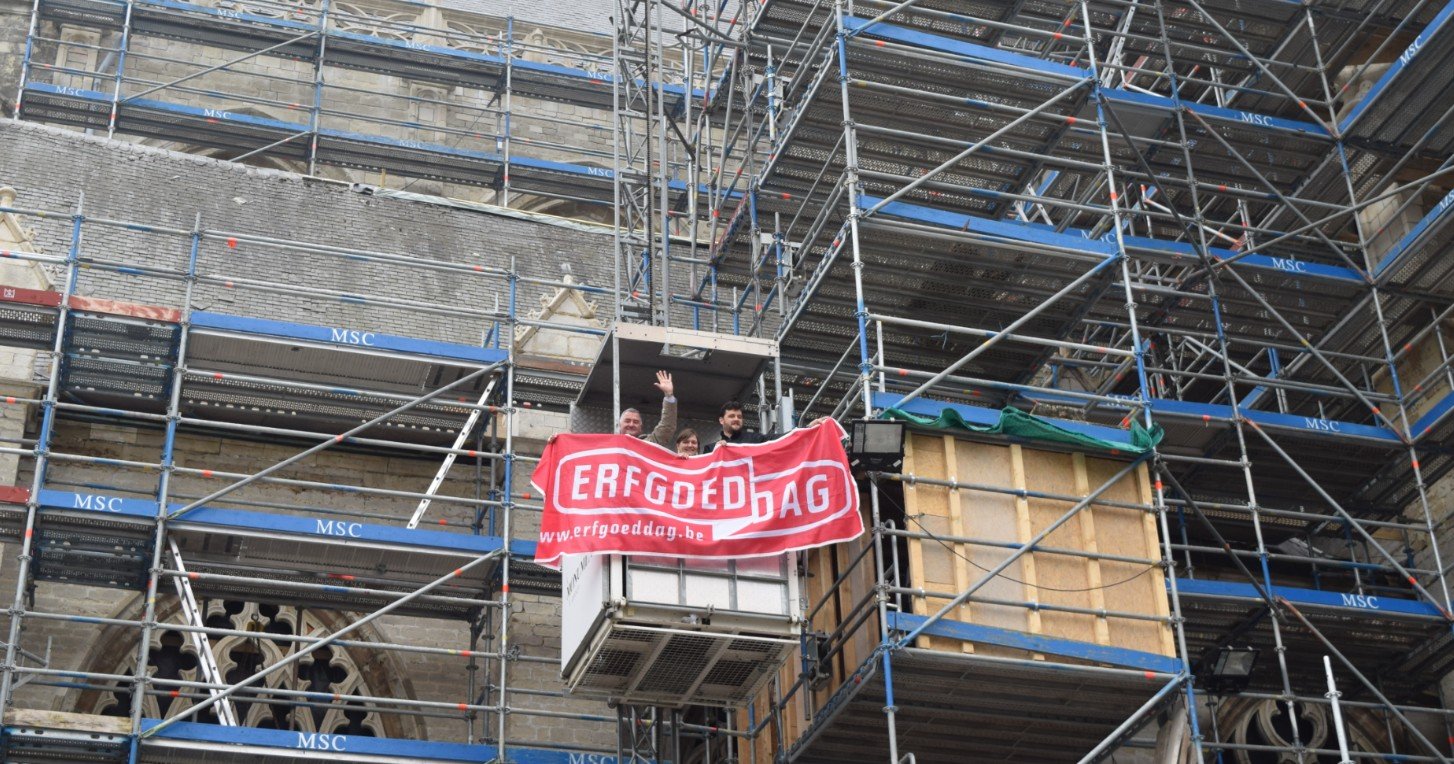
point(616, 494)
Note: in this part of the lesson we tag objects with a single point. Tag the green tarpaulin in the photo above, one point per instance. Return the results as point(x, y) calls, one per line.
point(1024, 426)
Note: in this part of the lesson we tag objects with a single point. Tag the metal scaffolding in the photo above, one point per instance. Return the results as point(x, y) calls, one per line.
point(1222, 221)
point(217, 535)
point(444, 96)
point(1228, 222)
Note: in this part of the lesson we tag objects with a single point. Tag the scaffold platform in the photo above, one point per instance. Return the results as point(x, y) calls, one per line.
point(1405, 643)
point(971, 707)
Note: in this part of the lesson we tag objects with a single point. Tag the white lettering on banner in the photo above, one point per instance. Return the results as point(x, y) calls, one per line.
point(609, 493)
point(789, 503)
point(606, 480)
point(817, 493)
point(1445, 202)
point(683, 495)
point(731, 494)
point(1413, 50)
point(339, 528)
point(589, 758)
point(1129, 398)
point(351, 337)
point(1360, 600)
point(1323, 425)
point(654, 494)
point(98, 503)
point(818, 496)
point(581, 478)
point(316, 741)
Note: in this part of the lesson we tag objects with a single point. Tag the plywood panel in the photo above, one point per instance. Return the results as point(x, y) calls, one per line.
point(1061, 579)
point(946, 566)
point(953, 544)
point(993, 517)
point(1132, 587)
point(931, 564)
point(1089, 544)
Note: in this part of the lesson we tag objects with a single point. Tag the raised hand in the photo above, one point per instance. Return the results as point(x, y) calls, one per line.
point(664, 384)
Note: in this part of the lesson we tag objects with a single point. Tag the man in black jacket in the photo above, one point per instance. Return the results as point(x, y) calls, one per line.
point(732, 427)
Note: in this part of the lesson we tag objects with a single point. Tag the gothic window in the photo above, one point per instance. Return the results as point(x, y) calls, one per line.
point(398, 23)
point(1259, 724)
point(274, 704)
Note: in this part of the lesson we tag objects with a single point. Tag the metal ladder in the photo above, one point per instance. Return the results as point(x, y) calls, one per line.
point(226, 712)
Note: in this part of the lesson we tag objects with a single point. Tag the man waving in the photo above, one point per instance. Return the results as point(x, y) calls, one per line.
point(630, 422)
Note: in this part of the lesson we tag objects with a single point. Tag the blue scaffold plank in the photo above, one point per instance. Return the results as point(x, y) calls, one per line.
point(1217, 113)
point(346, 530)
point(95, 502)
point(359, 745)
point(1223, 414)
point(1433, 416)
point(1371, 604)
point(1329, 428)
point(1257, 393)
point(1288, 265)
point(996, 57)
point(987, 416)
point(346, 337)
point(1411, 242)
point(1395, 70)
point(215, 115)
point(1069, 648)
point(317, 526)
point(1014, 232)
point(1080, 241)
point(967, 50)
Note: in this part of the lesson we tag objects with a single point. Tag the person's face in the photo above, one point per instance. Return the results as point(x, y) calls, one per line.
point(687, 446)
point(630, 424)
point(731, 422)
